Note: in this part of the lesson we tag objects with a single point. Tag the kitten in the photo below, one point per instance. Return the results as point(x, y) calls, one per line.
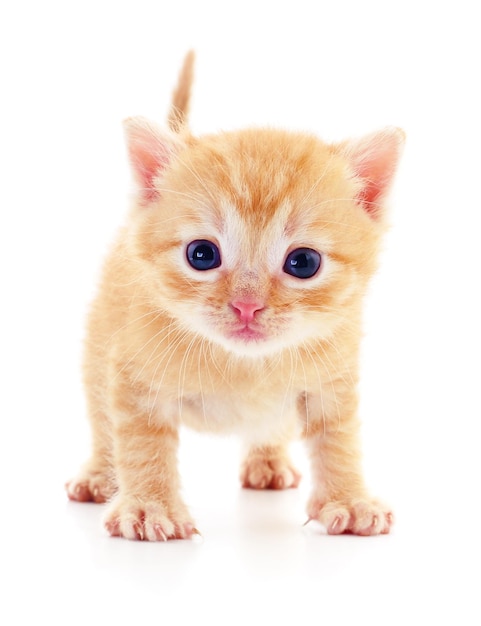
point(231, 302)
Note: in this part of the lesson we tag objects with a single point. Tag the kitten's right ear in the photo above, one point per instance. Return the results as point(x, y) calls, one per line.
point(151, 150)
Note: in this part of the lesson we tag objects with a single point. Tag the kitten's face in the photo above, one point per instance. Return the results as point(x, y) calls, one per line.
point(256, 241)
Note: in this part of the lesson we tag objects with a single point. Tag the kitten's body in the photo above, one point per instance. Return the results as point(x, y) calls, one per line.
point(247, 345)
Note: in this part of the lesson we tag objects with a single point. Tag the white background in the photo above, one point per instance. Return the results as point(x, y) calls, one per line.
point(70, 73)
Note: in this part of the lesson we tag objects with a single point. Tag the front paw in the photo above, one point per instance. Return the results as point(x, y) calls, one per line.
point(361, 516)
point(148, 520)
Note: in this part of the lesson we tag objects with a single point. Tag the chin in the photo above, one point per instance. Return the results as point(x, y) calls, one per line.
point(253, 350)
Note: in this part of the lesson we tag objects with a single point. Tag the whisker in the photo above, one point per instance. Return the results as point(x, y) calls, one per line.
point(307, 351)
point(183, 374)
point(196, 175)
point(201, 360)
point(169, 354)
point(290, 381)
point(333, 389)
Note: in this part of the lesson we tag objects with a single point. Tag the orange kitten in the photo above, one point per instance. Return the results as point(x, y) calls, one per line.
point(231, 302)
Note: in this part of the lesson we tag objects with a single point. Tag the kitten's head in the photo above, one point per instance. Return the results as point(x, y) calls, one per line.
point(258, 240)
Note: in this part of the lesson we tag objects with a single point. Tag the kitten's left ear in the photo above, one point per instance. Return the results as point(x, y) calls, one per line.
point(151, 150)
point(374, 159)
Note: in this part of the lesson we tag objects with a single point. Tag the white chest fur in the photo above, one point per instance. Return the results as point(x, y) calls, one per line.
point(259, 420)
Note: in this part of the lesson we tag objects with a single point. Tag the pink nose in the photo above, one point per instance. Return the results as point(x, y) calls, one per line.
point(246, 309)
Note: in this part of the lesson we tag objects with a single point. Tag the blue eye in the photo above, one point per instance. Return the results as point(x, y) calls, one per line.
point(302, 263)
point(203, 255)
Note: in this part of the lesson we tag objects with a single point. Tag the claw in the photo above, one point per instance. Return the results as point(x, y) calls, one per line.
point(159, 533)
point(139, 531)
point(196, 536)
point(113, 528)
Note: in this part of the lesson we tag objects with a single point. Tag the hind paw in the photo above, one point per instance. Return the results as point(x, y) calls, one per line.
point(269, 472)
point(91, 486)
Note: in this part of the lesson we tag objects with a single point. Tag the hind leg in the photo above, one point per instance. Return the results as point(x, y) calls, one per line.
point(96, 480)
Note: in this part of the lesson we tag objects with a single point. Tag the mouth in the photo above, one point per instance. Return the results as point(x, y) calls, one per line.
point(248, 334)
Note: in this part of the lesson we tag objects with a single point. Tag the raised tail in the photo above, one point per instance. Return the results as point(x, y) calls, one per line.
point(179, 109)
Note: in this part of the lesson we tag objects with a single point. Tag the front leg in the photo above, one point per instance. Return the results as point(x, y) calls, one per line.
point(339, 499)
point(148, 504)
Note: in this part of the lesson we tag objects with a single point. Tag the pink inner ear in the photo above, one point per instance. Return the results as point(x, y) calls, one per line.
point(375, 159)
point(375, 185)
point(146, 166)
point(150, 151)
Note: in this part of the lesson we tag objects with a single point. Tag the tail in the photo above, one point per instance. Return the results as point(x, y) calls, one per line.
point(179, 109)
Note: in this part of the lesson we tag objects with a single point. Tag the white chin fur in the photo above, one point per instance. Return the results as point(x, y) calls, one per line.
point(252, 348)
